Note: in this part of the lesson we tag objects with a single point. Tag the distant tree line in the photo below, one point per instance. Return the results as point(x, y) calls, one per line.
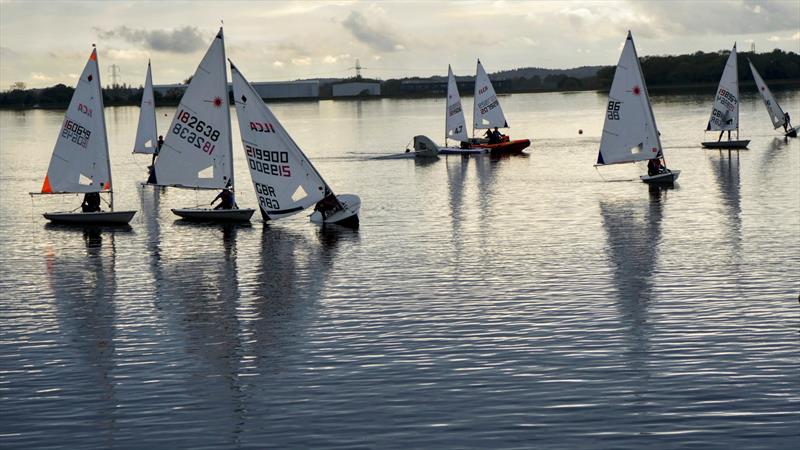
point(682, 70)
point(706, 68)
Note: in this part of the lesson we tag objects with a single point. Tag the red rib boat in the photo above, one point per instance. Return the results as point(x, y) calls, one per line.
point(505, 147)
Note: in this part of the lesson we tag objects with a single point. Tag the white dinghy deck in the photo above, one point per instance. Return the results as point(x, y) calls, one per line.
point(346, 216)
point(665, 178)
point(91, 218)
point(732, 144)
point(214, 215)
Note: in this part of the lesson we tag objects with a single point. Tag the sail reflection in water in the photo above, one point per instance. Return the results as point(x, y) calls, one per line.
point(83, 284)
point(633, 230)
point(725, 167)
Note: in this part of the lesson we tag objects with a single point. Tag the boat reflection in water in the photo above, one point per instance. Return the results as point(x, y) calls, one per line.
point(633, 232)
point(198, 295)
point(83, 285)
point(725, 167)
point(292, 273)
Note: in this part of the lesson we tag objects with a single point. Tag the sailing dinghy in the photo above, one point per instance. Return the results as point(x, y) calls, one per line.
point(629, 133)
point(776, 114)
point(146, 142)
point(487, 113)
point(197, 152)
point(80, 161)
point(455, 127)
point(284, 179)
point(725, 113)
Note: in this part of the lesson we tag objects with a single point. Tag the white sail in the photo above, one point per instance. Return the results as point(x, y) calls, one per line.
point(284, 179)
point(773, 108)
point(197, 150)
point(629, 131)
point(80, 157)
point(146, 132)
point(725, 114)
point(487, 112)
point(455, 124)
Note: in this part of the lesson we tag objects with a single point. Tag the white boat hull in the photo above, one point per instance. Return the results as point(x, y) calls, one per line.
point(661, 178)
point(726, 144)
point(462, 151)
point(348, 216)
point(407, 155)
point(91, 218)
point(214, 215)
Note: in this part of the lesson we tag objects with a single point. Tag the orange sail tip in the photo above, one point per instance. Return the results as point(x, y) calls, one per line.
point(46, 189)
point(94, 55)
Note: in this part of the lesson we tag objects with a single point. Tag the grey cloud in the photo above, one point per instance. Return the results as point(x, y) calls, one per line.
point(179, 40)
point(720, 18)
point(379, 40)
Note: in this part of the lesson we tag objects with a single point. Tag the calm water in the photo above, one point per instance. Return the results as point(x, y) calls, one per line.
point(520, 302)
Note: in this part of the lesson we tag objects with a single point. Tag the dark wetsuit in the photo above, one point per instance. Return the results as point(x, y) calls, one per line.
point(226, 200)
point(91, 202)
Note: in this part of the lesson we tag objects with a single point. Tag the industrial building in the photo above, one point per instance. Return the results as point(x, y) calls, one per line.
point(268, 90)
point(357, 88)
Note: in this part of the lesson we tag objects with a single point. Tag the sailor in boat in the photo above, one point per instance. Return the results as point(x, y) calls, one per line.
point(328, 205)
point(91, 202)
point(657, 166)
point(226, 199)
point(151, 179)
point(787, 122)
point(495, 136)
point(726, 121)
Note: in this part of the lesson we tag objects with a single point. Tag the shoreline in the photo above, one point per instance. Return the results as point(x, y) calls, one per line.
point(747, 85)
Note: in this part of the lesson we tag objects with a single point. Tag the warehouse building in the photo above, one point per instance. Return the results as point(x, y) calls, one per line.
point(357, 88)
point(267, 90)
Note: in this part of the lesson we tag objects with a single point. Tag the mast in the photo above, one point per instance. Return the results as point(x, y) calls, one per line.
point(447, 103)
point(155, 123)
point(647, 96)
point(736, 84)
point(103, 117)
point(228, 111)
point(475, 97)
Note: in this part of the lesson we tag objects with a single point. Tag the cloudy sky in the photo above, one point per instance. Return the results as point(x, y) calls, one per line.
point(47, 42)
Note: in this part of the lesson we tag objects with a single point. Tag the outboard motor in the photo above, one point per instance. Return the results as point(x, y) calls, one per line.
point(424, 147)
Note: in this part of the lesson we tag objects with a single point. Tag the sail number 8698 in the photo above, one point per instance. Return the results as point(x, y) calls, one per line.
point(613, 110)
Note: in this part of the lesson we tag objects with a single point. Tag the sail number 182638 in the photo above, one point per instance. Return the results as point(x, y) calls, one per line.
point(195, 131)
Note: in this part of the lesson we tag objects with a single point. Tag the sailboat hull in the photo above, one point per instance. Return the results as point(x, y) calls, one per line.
point(792, 132)
point(214, 215)
point(461, 151)
point(510, 147)
point(346, 217)
point(662, 178)
point(726, 144)
point(84, 218)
